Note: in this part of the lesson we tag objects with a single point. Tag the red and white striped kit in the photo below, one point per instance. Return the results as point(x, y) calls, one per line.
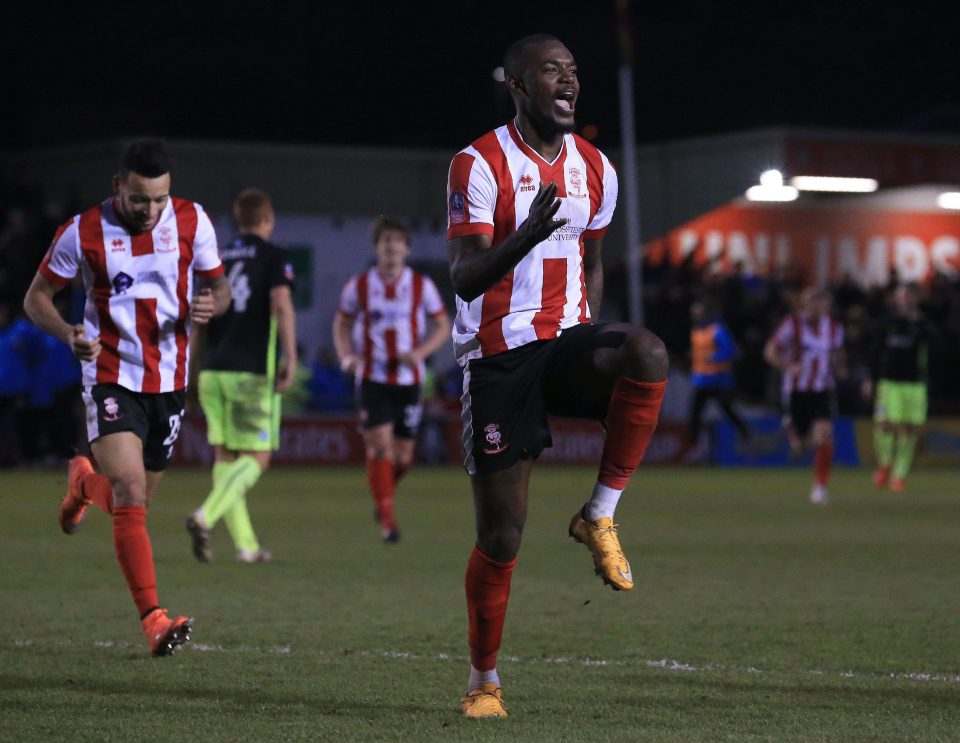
point(490, 188)
point(392, 319)
point(138, 290)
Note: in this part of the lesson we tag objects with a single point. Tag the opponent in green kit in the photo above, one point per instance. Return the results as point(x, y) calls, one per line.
point(900, 383)
point(241, 380)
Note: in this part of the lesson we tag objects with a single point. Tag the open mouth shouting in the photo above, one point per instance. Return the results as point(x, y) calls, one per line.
point(565, 102)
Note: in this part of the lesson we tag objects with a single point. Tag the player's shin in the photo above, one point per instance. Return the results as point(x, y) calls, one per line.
point(822, 464)
point(380, 478)
point(232, 484)
point(906, 446)
point(883, 443)
point(487, 585)
point(135, 555)
point(631, 420)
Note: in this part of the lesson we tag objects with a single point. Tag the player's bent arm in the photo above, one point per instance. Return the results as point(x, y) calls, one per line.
point(475, 265)
point(771, 354)
point(593, 273)
point(220, 287)
point(281, 307)
point(439, 335)
point(39, 306)
point(343, 343)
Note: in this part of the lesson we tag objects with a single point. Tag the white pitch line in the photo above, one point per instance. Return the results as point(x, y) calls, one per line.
point(663, 664)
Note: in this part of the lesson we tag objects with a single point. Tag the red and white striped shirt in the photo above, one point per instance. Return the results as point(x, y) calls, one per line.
point(490, 187)
point(390, 319)
point(138, 290)
point(811, 346)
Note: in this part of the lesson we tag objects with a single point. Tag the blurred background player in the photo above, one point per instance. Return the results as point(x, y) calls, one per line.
point(241, 381)
point(899, 367)
point(525, 264)
point(140, 254)
point(807, 348)
point(381, 334)
point(712, 349)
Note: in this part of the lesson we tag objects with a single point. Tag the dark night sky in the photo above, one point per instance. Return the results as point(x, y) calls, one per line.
point(418, 74)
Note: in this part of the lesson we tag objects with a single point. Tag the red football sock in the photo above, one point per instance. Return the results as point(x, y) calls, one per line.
point(631, 420)
point(382, 486)
point(399, 470)
point(822, 462)
point(488, 590)
point(135, 555)
point(97, 488)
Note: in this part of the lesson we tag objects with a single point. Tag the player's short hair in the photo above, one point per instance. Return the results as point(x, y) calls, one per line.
point(147, 157)
point(517, 54)
point(251, 208)
point(386, 224)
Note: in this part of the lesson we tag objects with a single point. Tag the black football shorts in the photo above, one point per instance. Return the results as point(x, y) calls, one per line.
point(507, 398)
point(154, 418)
point(807, 407)
point(400, 404)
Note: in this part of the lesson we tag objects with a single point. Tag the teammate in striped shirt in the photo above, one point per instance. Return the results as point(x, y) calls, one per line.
point(528, 207)
point(150, 268)
point(807, 348)
point(382, 336)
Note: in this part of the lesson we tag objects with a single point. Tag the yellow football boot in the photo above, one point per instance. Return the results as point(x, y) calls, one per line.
point(483, 702)
point(608, 558)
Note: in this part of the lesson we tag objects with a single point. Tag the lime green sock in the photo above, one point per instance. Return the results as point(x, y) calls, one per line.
point(219, 468)
point(237, 519)
point(883, 446)
point(906, 445)
point(233, 481)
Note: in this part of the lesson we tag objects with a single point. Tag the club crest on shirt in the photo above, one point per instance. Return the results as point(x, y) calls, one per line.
point(458, 208)
point(112, 409)
point(494, 439)
point(165, 240)
point(121, 282)
point(576, 184)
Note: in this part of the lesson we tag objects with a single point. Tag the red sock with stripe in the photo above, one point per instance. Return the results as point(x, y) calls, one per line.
point(631, 420)
point(97, 488)
point(135, 555)
point(822, 464)
point(382, 487)
point(487, 585)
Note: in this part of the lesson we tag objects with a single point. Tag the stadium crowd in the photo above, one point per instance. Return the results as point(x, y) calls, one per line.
point(752, 306)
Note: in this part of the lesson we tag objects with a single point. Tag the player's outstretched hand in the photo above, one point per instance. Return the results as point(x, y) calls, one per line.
point(85, 349)
point(202, 306)
point(540, 222)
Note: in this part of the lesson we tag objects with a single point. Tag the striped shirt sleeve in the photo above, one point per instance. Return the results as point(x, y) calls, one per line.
point(62, 262)
point(471, 196)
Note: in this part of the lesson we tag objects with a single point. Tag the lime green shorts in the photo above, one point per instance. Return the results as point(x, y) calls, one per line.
point(242, 410)
point(901, 402)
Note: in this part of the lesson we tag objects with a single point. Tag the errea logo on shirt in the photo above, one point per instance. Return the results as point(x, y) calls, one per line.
point(527, 184)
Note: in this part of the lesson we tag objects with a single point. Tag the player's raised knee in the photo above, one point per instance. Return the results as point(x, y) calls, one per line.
point(646, 356)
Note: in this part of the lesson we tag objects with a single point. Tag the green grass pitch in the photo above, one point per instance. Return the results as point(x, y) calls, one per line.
point(756, 616)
